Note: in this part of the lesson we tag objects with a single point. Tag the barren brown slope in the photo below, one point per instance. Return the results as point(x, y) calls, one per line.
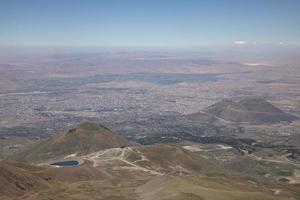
point(203, 188)
point(125, 173)
point(17, 179)
point(173, 159)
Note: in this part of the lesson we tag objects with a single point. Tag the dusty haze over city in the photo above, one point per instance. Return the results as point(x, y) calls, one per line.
point(150, 100)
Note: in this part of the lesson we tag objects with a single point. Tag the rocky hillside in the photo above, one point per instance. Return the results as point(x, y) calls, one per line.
point(83, 138)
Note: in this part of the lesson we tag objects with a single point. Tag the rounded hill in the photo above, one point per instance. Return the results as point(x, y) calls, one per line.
point(83, 138)
point(249, 110)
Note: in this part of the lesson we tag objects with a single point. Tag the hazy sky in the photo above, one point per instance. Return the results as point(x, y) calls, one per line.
point(153, 23)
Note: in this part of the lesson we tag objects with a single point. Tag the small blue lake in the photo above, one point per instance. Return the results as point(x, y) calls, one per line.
point(69, 163)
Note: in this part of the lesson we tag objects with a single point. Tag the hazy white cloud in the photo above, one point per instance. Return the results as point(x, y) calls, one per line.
point(240, 42)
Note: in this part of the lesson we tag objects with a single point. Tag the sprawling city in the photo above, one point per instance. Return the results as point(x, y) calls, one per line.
point(175, 112)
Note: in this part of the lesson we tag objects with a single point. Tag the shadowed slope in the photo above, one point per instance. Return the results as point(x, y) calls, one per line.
point(17, 179)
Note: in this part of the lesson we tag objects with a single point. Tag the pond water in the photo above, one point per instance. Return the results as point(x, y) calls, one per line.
point(68, 163)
